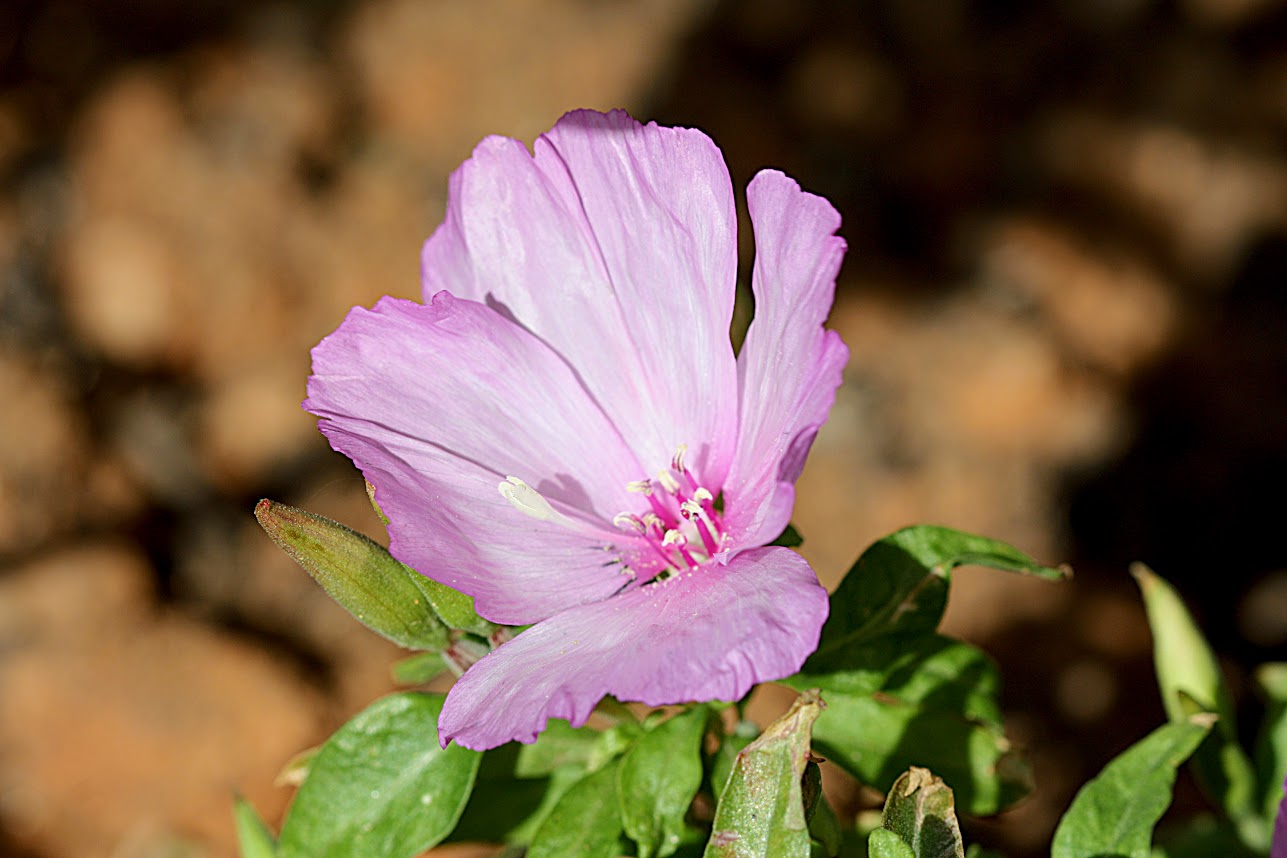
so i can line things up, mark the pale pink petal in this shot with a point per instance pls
(616, 245)
(439, 403)
(789, 366)
(706, 635)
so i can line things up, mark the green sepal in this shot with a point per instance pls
(1115, 813)
(383, 594)
(295, 770)
(375, 505)
(417, 669)
(454, 608)
(1187, 668)
(254, 840)
(761, 809)
(789, 538)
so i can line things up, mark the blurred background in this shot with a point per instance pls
(1064, 297)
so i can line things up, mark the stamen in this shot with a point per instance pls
(706, 529)
(654, 526)
(682, 513)
(629, 521)
(659, 510)
(530, 502)
(677, 464)
(680, 542)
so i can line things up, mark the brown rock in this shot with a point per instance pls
(1205, 197)
(1109, 310)
(124, 730)
(124, 292)
(434, 86)
(43, 450)
(252, 420)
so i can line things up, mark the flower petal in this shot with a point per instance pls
(789, 366)
(616, 244)
(439, 403)
(706, 635)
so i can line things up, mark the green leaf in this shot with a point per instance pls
(921, 811)
(1202, 837)
(560, 745)
(253, 836)
(1187, 669)
(920, 699)
(518, 785)
(811, 789)
(936, 707)
(1271, 745)
(586, 822)
(726, 757)
(824, 827)
(361, 575)
(899, 586)
(883, 843)
(761, 810)
(657, 780)
(1114, 814)
(417, 669)
(381, 786)
(507, 808)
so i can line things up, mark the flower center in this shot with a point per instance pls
(683, 527)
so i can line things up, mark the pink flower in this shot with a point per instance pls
(574, 353)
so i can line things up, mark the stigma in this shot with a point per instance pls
(530, 502)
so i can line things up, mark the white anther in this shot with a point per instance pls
(703, 494)
(692, 508)
(674, 537)
(668, 482)
(651, 518)
(641, 487)
(628, 521)
(678, 461)
(530, 502)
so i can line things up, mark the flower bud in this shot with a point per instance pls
(361, 575)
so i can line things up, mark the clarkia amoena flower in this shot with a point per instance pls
(562, 430)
